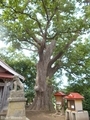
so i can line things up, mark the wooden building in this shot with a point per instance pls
(6, 83)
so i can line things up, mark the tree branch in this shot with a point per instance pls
(34, 38)
(52, 70)
(49, 51)
(48, 22)
(27, 14)
(28, 41)
(60, 54)
(44, 6)
(28, 49)
(48, 19)
(39, 25)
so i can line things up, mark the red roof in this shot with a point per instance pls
(73, 96)
(59, 94)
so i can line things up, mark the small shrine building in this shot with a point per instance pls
(74, 109)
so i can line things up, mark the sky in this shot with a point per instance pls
(2, 44)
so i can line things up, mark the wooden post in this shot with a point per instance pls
(5, 95)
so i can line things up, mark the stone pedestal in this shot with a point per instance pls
(76, 115)
(16, 107)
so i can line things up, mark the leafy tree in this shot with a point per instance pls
(80, 73)
(49, 28)
(77, 64)
(86, 102)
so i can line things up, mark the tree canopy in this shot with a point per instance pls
(54, 31)
(40, 23)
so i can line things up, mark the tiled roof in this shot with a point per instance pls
(74, 96)
(59, 94)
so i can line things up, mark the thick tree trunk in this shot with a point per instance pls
(43, 101)
(43, 97)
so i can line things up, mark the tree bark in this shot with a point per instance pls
(43, 101)
(43, 97)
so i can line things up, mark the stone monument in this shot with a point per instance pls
(17, 101)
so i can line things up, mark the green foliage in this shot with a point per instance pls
(26, 68)
(23, 19)
(77, 63)
(29, 23)
(56, 84)
(86, 102)
(79, 72)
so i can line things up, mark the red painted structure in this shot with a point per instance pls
(74, 109)
(74, 101)
(59, 94)
(73, 96)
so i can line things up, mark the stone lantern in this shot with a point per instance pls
(74, 107)
(59, 102)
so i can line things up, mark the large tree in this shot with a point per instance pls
(49, 28)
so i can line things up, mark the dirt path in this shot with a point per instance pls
(43, 116)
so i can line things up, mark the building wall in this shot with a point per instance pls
(59, 100)
(78, 105)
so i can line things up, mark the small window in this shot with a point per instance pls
(72, 105)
